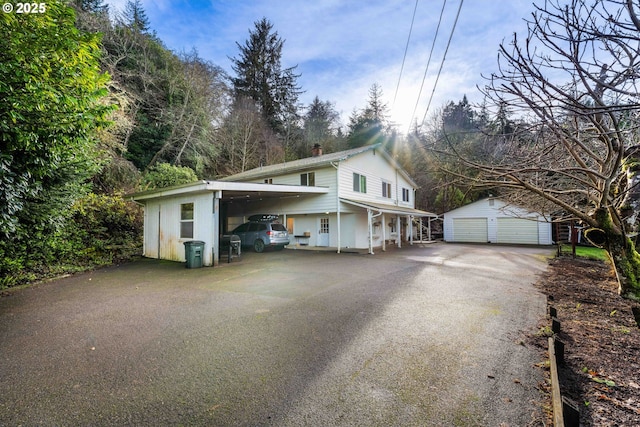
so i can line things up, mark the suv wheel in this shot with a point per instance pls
(258, 246)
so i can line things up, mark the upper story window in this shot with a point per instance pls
(386, 189)
(186, 221)
(308, 179)
(359, 183)
(405, 194)
(268, 180)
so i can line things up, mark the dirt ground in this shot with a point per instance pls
(601, 373)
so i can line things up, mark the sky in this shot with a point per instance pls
(342, 47)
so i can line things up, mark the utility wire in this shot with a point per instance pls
(405, 54)
(435, 37)
(442, 63)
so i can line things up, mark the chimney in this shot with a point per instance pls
(316, 150)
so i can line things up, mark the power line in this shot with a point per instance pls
(435, 37)
(442, 63)
(405, 54)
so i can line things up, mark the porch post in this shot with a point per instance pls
(398, 231)
(370, 225)
(420, 232)
(410, 219)
(384, 225)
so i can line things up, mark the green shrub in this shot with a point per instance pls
(165, 175)
(99, 229)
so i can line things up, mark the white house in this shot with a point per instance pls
(370, 199)
(491, 220)
(358, 198)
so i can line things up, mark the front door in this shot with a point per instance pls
(323, 232)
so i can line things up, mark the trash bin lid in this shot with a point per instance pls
(194, 243)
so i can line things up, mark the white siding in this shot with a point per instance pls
(375, 167)
(535, 229)
(324, 177)
(167, 230)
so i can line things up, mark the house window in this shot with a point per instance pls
(308, 179)
(359, 183)
(268, 181)
(186, 221)
(386, 189)
(405, 194)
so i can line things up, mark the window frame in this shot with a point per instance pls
(406, 195)
(308, 179)
(386, 189)
(187, 225)
(359, 183)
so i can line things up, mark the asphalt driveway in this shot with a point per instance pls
(422, 336)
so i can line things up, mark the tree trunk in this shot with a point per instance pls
(626, 261)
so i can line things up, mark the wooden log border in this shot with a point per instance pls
(565, 412)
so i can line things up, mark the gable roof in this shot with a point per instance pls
(312, 162)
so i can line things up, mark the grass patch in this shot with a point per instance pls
(587, 252)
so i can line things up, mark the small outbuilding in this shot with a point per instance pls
(491, 220)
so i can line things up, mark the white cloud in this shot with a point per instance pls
(342, 48)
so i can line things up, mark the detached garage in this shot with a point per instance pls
(493, 221)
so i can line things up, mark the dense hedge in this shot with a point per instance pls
(99, 230)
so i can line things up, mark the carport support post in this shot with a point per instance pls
(217, 195)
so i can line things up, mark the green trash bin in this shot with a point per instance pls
(193, 251)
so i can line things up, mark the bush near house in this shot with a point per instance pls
(100, 229)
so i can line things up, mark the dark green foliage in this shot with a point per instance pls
(135, 16)
(260, 76)
(99, 230)
(165, 175)
(321, 124)
(369, 126)
(50, 87)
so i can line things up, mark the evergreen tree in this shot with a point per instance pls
(458, 117)
(260, 76)
(136, 17)
(369, 126)
(320, 126)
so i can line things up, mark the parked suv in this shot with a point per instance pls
(262, 231)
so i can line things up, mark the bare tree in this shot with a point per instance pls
(573, 82)
(240, 139)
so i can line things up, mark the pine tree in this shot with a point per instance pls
(135, 16)
(260, 77)
(369, 126)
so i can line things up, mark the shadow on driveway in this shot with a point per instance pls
(409, 337)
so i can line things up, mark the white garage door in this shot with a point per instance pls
(517, 231)
(470, 230)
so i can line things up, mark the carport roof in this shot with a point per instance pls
(396, 210)
(229, 190)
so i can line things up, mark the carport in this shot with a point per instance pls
(195, 212)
